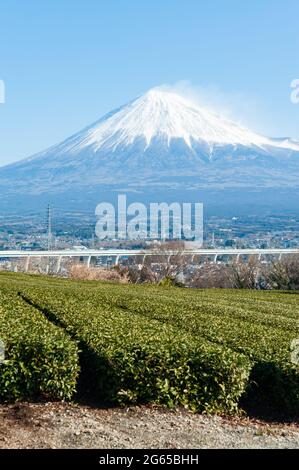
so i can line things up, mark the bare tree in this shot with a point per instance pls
(284, 274)
(165, 263)
(83, 272)
(210, 275)
(170, 262)
(247, 275)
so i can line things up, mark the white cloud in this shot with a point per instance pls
(239, 107)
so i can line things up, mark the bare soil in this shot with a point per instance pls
(62, 425)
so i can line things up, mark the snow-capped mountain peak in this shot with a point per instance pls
(167, 115)
(159, 140)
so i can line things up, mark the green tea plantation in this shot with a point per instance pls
(211, 351)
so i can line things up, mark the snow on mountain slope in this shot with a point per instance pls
(162, 113)
(159, 138)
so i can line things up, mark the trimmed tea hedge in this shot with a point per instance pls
(210, 350)
(40, 359)
(134, 359)
(265, 338)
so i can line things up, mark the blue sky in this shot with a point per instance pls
(67, 62)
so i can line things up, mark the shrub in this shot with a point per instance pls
(265, 338)
(40, 359)
(199, 348)
(135, 359)
(84, 273)
(260, 325)
(284, 274)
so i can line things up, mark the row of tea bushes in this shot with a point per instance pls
(139, 360)
(41, 361)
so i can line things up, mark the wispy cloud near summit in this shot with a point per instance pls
(238, 106)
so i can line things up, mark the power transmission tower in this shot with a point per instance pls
(49, 227)
(213, 239)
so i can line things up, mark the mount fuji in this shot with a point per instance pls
(158, 143)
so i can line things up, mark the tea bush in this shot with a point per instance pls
(209, 350)
(135, 359)
(40, 358)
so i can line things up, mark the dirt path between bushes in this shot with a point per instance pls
(61, 425)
